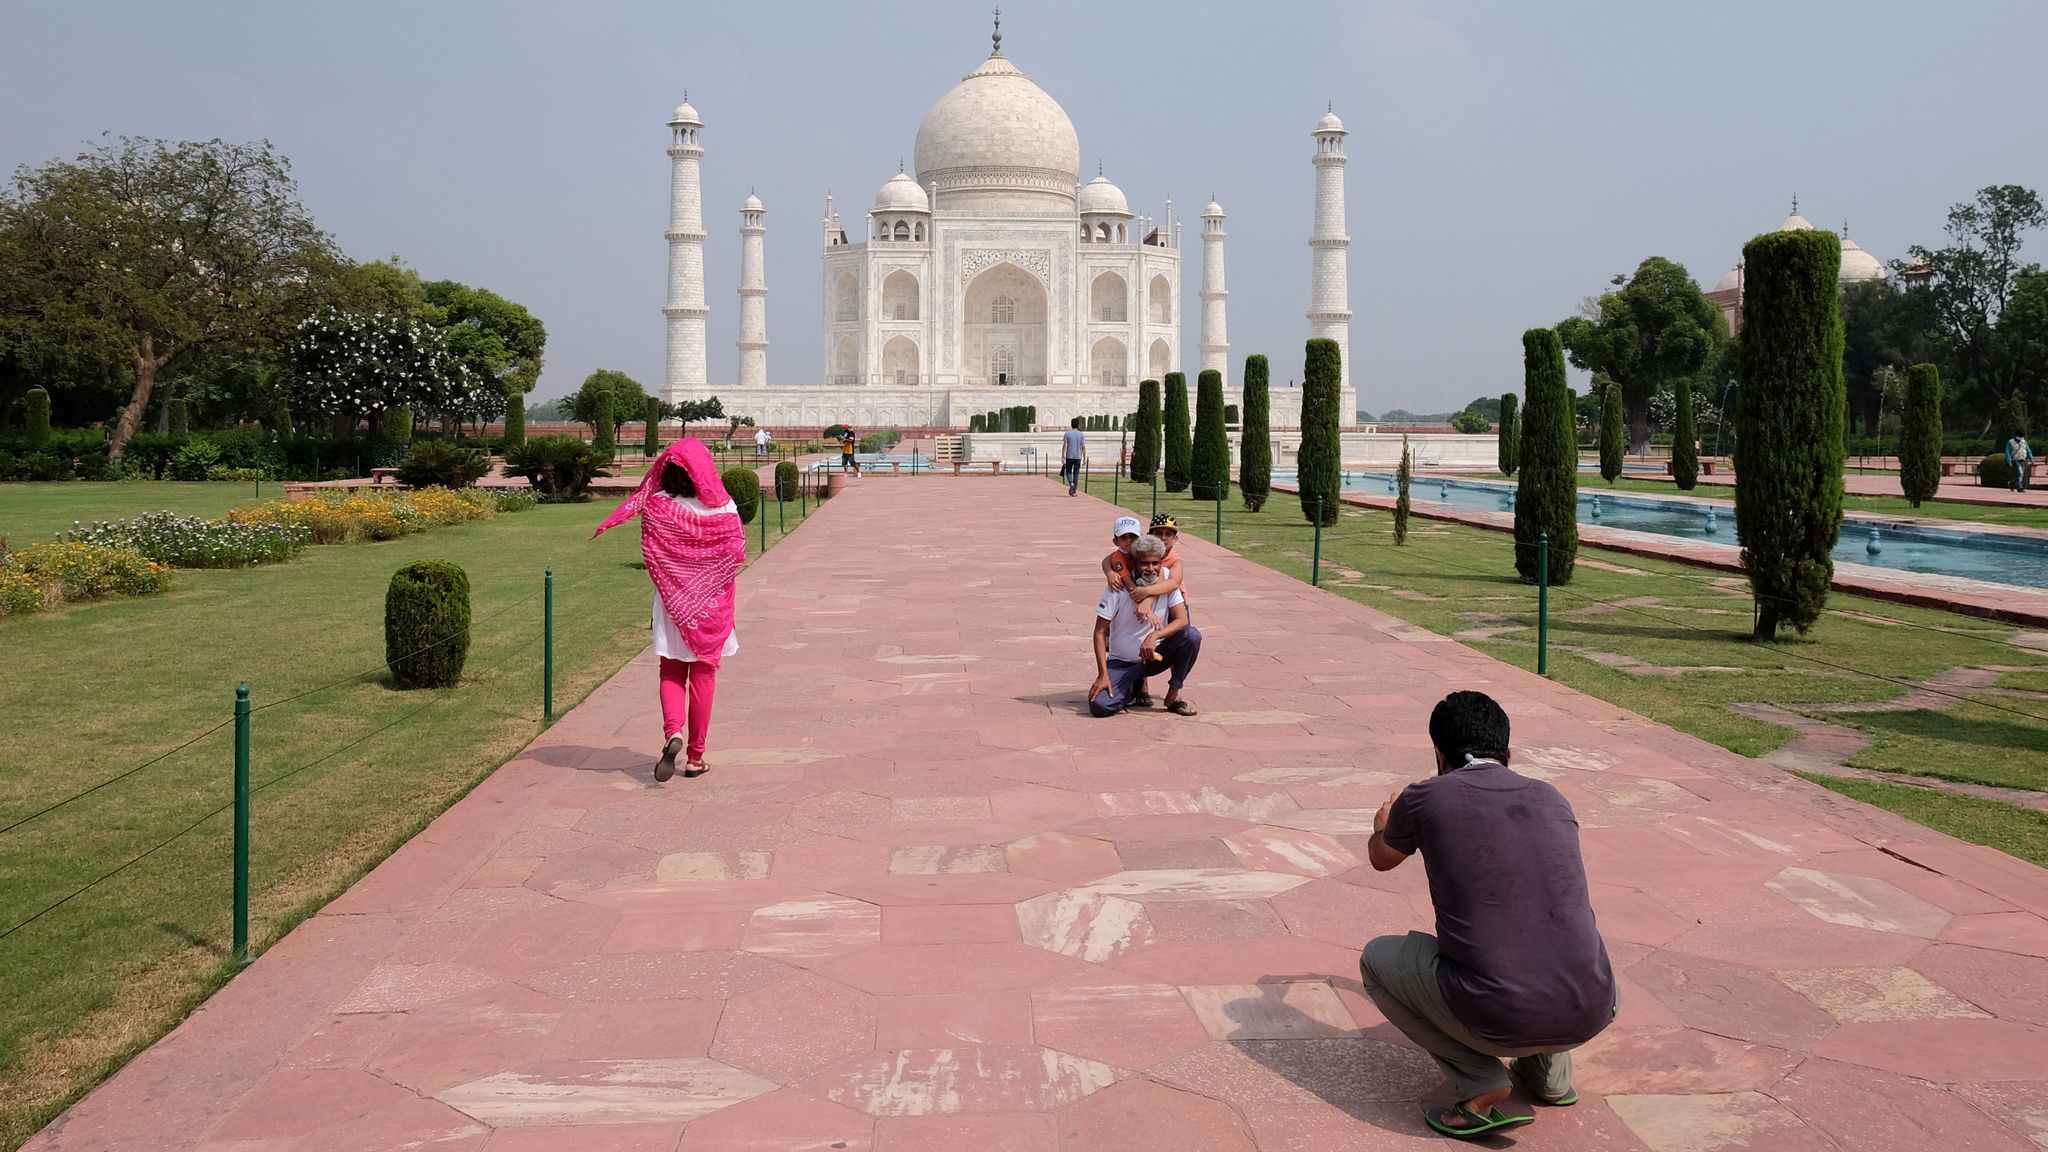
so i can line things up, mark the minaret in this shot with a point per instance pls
(687, 375)
(1215, 332)
(1329, 291)
(753, 341)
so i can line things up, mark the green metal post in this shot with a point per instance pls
(241, 943)
(1543, 604)
(1315, 572)
(1155, 491)
(781, 524)
(547, 649)
(764, 528)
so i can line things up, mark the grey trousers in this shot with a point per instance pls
(1400, 976)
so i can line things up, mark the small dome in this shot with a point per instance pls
(753, 204)
(1731, 281)
(1102, 197)
(1330, 123)
(1214, 209)
(1858, 265)
(902, 194)
(685, 115)
(1795, 223)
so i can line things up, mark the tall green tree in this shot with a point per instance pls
(1402, 476)
(1920, 434)
(1210, 477)
(1320, 461)
(1685, 451)
(1971, 281)
(515, 421)
(1883, 326)
(1655, 328)
(604, 438)
(606, 392)
(1547, 498)
(2022, 339)
(38, 403)
(1788, 486)
(1613, 440)
(1145, 443)
(1510, 432)
(1180, 451)
(163, 249)
(650, 430)
(1255, 452)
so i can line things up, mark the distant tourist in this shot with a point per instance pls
(762, 441)
(1517, 970)
(2019, 457)
(1073, 445)
(847, 443)
(694, 545)
(1131, 648)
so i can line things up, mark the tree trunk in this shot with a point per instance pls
(1638, 425)
(146, 364)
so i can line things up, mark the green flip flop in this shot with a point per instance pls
(1493, 1121)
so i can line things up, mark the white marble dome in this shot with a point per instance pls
(1329, 122)
(751, 204)
(1795, 223)
(901, 194)
(1858, 265)
(685, 115)
(998, 144)
(1102, 197)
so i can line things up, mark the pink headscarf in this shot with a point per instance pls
(693, 558)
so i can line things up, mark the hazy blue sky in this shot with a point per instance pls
(1506, 158)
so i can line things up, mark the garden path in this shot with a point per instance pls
(925, 902)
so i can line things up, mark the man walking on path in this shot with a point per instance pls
(2019, 456)
(1129, 649)
(1074, 443)
(1517, 969)
(762, 440)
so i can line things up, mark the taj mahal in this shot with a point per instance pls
(988, 277)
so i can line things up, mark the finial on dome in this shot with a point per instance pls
(997, 39)
(899, 165)
(1795, 203)
(1845, 227)
(1098, 167)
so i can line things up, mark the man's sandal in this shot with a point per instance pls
(1182, 708)
(1570, 1097)
(1141, 699)
(1474, 1124)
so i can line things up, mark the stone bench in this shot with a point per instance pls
(993, 467)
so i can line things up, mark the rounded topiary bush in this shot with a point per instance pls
(426, 624)
(787, 478)
(1994, 472)
(744, 486)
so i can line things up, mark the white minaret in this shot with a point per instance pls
(1215, 332)
(753, 341)
(687, 374)
(1329, 290)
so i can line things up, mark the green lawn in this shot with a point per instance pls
(32, 512)
(1876, 505)
(344, 775)
(2021, 832)
(1686, 627)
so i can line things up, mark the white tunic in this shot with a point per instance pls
(668, 639)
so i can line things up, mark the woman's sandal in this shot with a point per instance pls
(666, 766)
(1475, 1124)
(695, 768)
(1182, 708)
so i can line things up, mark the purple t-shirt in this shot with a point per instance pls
(1521, 960)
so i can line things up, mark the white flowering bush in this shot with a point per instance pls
(192, 541)
(355, 364)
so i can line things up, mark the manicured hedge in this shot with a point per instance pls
(1255, 453)
(426, 624)
(744, 486)
(1180, 449)
(1547, 498)
(1209, 478)
(1319, 464)
(1920, 434)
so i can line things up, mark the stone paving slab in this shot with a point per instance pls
(925, 902)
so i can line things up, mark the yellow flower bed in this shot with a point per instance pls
(46, 575)
(364, 516)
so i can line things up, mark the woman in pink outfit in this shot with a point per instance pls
(695, 545)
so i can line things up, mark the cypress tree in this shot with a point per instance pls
(1788, 492)
(1255, 453)
(1210, 478)
(1229, 415)
(1920, 434)
(181, 420)
(1180, 448)
(515, 419)
(1613, 432)
(605, 439)
(1145, 445)
(38, 404)
(397, 424)
(1319, 463)
(1510, 433)
(977, 423)
(1401, 501)
(650, 415)
(281, 418)
(1547, 498)
(1685, 451)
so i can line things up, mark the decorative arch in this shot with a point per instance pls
(899, 362)
(1004, 336)
(1162, 360)
(902, 230)
(845, 362)
(899, 296)
(1109, 363)
(1109, 299)
(1162, 301)
(845, 299)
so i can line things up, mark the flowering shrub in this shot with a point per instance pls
(516, 499)
(332, 519)
(192, 541)
(46, 575)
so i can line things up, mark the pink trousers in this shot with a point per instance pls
(687, 689)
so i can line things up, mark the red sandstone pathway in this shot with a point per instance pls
(924, 902)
